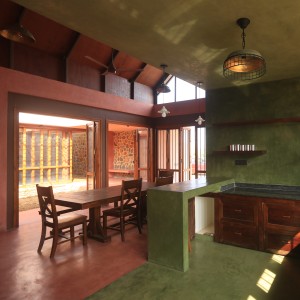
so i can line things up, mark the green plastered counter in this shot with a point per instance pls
(167, 215)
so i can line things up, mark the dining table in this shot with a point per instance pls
(93, 200)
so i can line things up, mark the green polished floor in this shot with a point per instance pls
(216, 272)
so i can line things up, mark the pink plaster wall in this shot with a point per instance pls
(22, 83)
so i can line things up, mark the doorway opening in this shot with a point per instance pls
(128, 148)
(52, 151)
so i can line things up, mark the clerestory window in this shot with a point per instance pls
(180, 91)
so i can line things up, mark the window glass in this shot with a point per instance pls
(184, 91)
(200, 93)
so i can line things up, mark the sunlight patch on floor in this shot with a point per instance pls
(265, 281)
(278, 258)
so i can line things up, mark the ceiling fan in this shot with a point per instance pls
(111, 68)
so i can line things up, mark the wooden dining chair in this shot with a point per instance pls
(165, 173)
(163, 180)
(60, 222)
(128, 210)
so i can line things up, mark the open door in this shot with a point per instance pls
(168, 151)
(174, 152)
(129, 152)
(93, 156)
(185, 154)
(143, 154)
(199, 166)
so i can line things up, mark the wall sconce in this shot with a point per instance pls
(163, 112)
(199, 120)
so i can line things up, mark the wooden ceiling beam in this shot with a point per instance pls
(137, 74)
(72, 46)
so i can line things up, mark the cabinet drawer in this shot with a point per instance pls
(240, 235)
(282, 243)
(278, 243)
(239, 211)
(283, 216)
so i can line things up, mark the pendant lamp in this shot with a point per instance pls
(245, 64)
(163, 88)
(17, 33)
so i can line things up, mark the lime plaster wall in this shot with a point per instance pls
(268, 101)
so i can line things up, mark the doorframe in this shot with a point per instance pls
(180, 149)
(13, 213)
(136, 125)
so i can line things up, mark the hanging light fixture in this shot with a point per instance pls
(163, 88)
(199, 120)
(163, 112)
(17, 33)
(245, 64)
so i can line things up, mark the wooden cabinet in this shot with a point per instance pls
(281, 225)
(267, 224)
(236, 221)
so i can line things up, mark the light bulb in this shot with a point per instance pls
(199, 120)
(163, 112)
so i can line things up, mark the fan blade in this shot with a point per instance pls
(96, 61)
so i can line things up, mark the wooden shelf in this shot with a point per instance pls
(245, 153)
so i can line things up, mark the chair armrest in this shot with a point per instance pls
(64, 211)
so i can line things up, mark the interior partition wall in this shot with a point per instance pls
(36, 105)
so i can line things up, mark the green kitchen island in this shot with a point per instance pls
(167, 215)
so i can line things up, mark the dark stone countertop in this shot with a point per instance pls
(263, 190)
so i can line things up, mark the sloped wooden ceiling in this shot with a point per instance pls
(58, 40)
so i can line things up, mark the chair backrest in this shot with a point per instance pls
(163, 180)
(46, 202)
(131, 192)
(165, 173)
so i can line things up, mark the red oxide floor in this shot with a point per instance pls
(76, 271)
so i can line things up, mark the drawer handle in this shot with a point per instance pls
(286, 242)
(238, 233)
(287, 217)
(238, 210)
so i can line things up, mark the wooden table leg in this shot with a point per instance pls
(95, 230)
